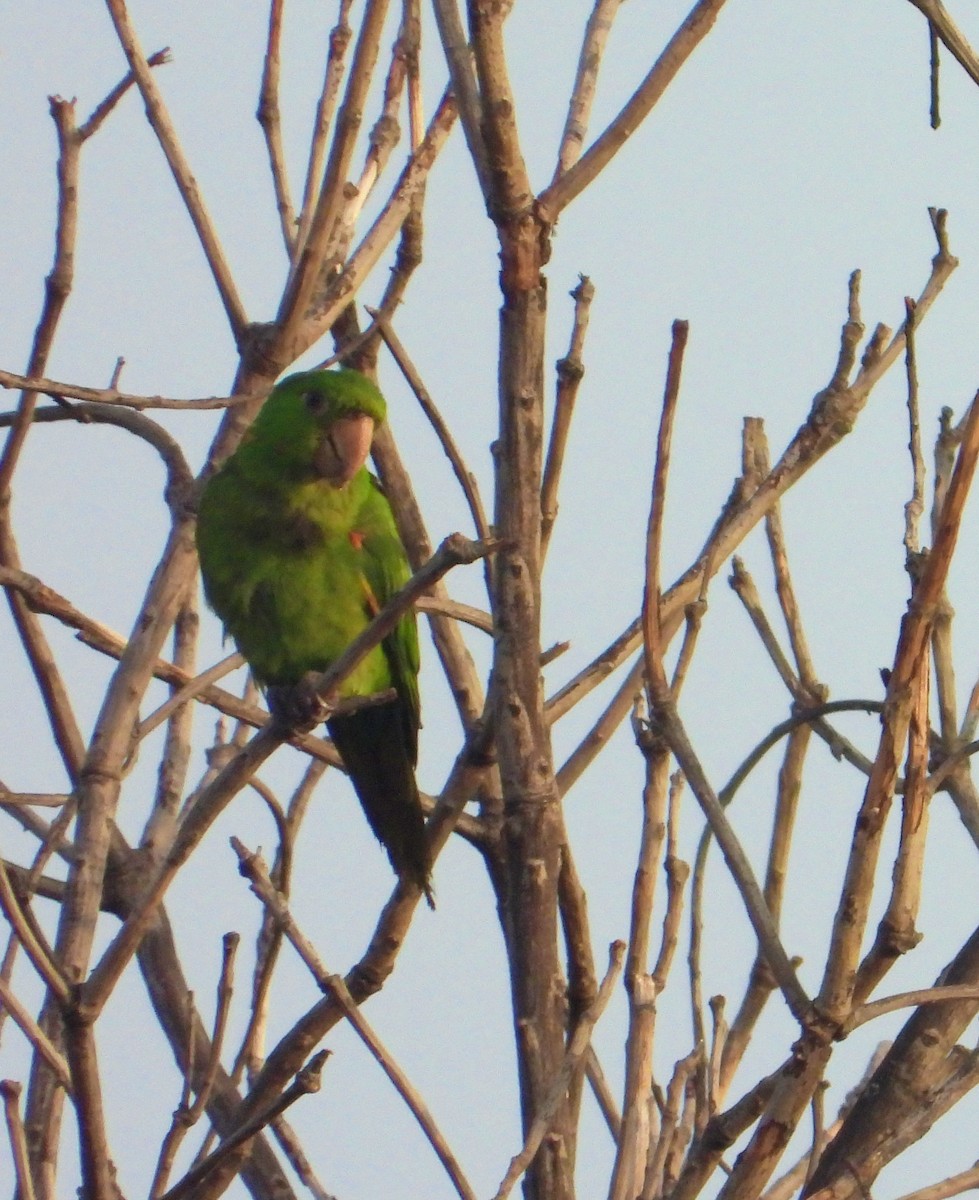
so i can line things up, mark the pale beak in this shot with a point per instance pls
(343, 449)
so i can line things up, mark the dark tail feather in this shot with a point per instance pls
(374, 745)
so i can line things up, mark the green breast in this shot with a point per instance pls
(286, 577)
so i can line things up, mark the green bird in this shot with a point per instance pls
(298, 551)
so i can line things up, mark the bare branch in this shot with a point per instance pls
(32, 939)
(951, 36)
(916, 505)
(570, 372)
(306, 1083)
(35, 1035)
(698, 23)
(159, 119)
(597, 29)
(577, 1046)
(467, 481)
(339, 41)
(837, 993)
(312, 256)
(459, 59)
(253, 868)
(111, 395)
(10, 1092)
(268, 118)
(454, 550)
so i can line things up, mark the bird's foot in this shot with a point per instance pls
(296, 705)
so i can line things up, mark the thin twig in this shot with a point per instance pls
(191, 689)
(672, 728)
(35, 1035)
(570, 372)
(467, 481)
(268, 118)
(597, 29)
(454, 551)
(642, 988)
(312, 256)
(654, 532)
(698, 23)
(459, 59)
(836, 994)
(10, 1092)
(577, 1045)
(33, 941)
(951, 36)
(112, 395)
(306, 1083)
(934, 72)
(159, 119)
(913, 999)
(954, 1185)
(254, 869)
(339, 41)
(916, 505)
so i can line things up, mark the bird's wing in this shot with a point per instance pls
(386, 570)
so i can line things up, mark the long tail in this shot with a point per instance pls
(374, 748)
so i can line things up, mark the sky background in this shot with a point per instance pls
(793, 148)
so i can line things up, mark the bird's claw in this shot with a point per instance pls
(297, 705)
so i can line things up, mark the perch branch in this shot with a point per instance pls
(455, 550)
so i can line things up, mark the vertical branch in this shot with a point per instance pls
(570, 372)
(57, 285)
(159, 119)
(303, 281)
(761, 983)
(268, 118)
(597, 30)
(578, 1045)
(654, 529)
(508, 181)
(692, 31)
(459, 60)
(10, 1093)
(916, 505)
(339, 41)
(633, 1140)
(416, 111)
(533, 829)
(836, 994)
(386, 131)
(629, 1171)
(934, 65)
(176, 752)
(896, 933)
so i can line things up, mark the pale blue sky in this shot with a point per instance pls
(793, 148)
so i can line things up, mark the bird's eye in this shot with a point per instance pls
(314, 401)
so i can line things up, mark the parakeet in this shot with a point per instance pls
(298, 551)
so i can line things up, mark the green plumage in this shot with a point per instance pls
(298, 551)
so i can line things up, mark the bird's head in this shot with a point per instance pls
(320, 424)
